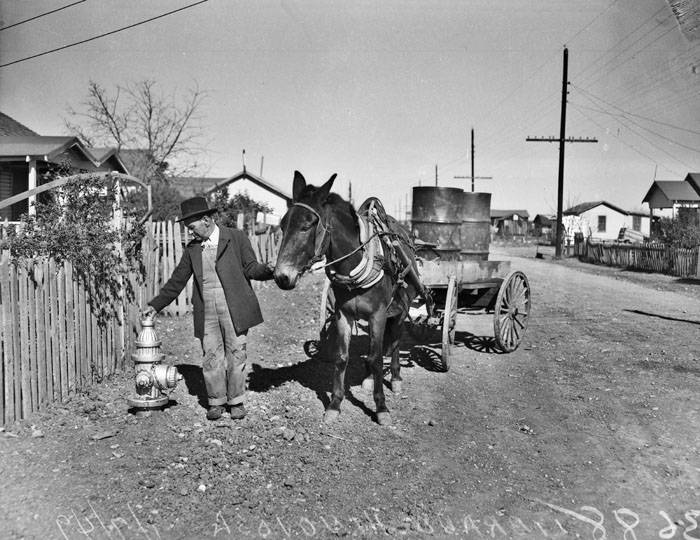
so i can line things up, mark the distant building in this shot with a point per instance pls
(601, 220)
(510, 223)
(544, 225)
(258, 188)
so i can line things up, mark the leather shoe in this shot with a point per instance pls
(238, 411)
(215, 412)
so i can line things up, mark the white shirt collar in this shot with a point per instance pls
(213, 239)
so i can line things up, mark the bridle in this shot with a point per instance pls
(323, 240)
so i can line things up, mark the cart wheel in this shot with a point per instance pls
(511, 311)
(327, 311)
(449, 320)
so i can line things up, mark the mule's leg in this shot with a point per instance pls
(391, 339)
(342, 343)
(377, 324)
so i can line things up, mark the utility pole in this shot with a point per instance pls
(472, 176)
(436, 175)
(562, 140)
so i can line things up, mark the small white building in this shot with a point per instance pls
(602, 221)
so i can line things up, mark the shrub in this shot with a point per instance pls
(680, 232)
(76, 224)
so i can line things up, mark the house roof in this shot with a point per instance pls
(11, 127)
(675, 190)
(258, 180)
(190, 186)
(101, 155)
(586, 206)
(37, 146)
(542, 219)
(499, 214)
(694, 180)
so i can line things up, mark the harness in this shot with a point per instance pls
(377, 254)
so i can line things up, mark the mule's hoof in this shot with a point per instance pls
(368, 384)
(331, 415)
(384, 418)
(396, 387)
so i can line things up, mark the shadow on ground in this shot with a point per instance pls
(194, 382)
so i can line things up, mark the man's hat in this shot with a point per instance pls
(193, 209)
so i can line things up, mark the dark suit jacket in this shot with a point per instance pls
(236, 265)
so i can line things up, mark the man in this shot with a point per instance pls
(225, 306)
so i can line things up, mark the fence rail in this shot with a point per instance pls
(648, 257)
(51, 344)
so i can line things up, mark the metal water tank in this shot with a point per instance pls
(436, 216)
(475, 229)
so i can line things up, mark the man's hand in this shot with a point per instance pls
(148, 312)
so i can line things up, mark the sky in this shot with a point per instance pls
(384, 93)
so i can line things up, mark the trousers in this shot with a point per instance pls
(224, 364)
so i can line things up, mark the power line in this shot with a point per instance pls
(103, 35)
(641, 136)
(636, 115)
(41, 15)
(580, 73)
(628, 145)
(635, 53)
(556, 55)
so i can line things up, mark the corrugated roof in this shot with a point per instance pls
(11, 127)
(674, 190)
(586, 206)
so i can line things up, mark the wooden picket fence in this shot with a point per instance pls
(51, 345)
(647, 257)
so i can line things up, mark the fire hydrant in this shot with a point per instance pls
(151, 377)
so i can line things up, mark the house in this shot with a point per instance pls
(26, 156)
(257, 187)
(667, 197)
(510, 223)
(601, 220)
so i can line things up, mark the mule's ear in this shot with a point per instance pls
(322, 193)
(298, 185)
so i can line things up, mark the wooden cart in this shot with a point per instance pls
(459, 287)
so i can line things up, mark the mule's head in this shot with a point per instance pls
(303, 229)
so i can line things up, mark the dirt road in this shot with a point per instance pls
(590, 429)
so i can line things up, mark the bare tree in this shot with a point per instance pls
(158, 135)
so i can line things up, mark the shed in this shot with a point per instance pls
(509, 223)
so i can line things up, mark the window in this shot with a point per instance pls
(601, 223)
(636, 223)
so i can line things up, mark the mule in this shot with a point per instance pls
(320, 223)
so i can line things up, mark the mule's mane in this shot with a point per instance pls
(335, 200)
